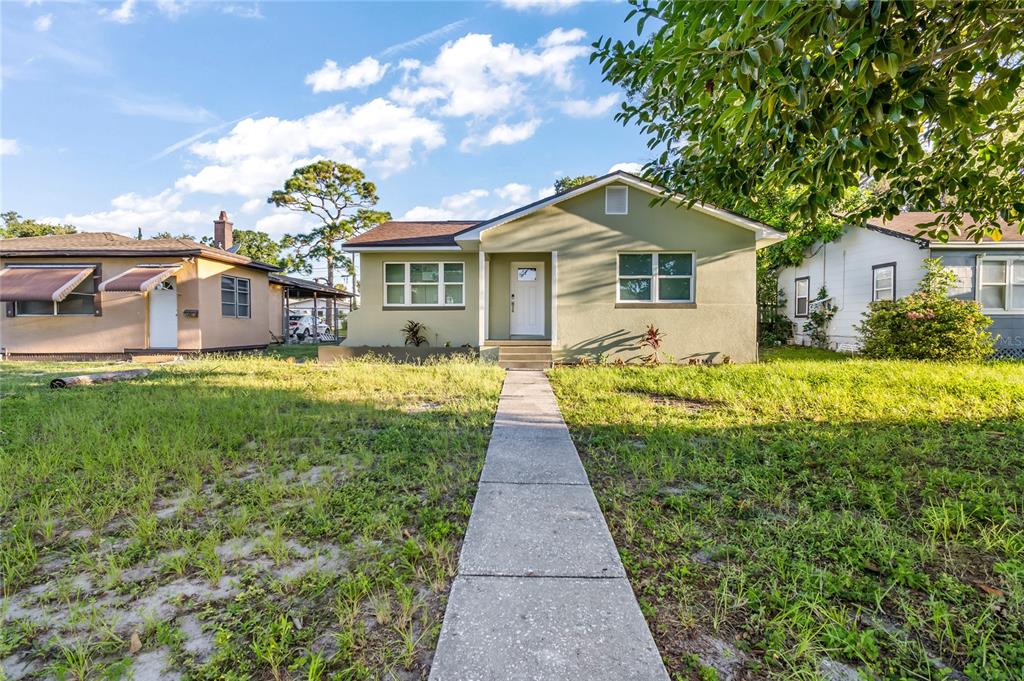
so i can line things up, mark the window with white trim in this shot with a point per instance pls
(883, 282)
(80, 302)
(234, 297)
(802, 296)
(428, 284)
(616, 200)
(1001, 284)
(655, 278)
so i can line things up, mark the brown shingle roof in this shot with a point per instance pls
(908, 223)
(413, 233)
(101, 244)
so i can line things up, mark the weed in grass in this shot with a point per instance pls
(837, 515)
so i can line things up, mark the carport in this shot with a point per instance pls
(323, 298)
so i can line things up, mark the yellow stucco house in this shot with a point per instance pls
(581, 273)
(99, 294)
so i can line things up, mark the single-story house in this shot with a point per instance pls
(102, 294)
(883, 260)
(580, 273)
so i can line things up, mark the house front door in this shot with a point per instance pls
(527, 299)
(163, 315)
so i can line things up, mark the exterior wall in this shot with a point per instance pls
(1008, 326)
(844, 268)
(275, 310)
(372, 324)
(123, 323)
(499, 291)
(588, 321)
(230, 332)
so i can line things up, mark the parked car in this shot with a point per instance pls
(301, 326)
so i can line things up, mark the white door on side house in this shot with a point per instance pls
(527, 299)
(163, 315)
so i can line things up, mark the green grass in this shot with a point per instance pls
(815, 509)
(249, 517)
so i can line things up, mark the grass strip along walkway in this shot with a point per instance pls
(541, 592)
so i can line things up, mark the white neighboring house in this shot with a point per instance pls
(885, 261)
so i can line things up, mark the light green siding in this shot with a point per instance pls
(723, 320)
(372, 324)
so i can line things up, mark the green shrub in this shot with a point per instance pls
(927, 324)
(818, 319)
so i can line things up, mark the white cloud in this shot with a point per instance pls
(331, 78)
(543, 5)
(243, 11)
(422, 39)
(259, 153)
(131, 211)
(475, 77)
(171, 148)
(479, 204)
(43, 23)
(9, 147)
(634, 168)
(124, 14)
(163, 109)
(252, 206)
(279, 224)
(585, 108)
(172, 9)
(561, 36)
(503, 133)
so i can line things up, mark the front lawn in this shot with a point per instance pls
(815, 514)
(235, 518)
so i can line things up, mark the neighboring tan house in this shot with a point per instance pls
(100, 293)
(581, 273)
(884, 261)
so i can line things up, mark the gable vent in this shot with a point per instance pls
(616, 201)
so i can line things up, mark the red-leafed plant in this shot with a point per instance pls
(652, 340)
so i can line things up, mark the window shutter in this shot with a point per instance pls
(616, 201)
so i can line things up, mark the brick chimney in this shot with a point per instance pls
(222, 231)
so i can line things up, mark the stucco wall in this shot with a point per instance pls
(372, 324)
(721, 322)
(230, 332)
(275, 310)
(123, 323)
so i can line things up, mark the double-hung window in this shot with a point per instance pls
(883, 282)
(1001, 285)
(655, 278)
(431, 284)
(802, 296)
(234, 297)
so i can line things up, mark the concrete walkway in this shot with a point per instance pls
(541, 593)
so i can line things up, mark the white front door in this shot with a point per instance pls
(163, 315)
(527, 299)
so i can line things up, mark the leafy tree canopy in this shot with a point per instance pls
(924, 98)
(258, 246)
(564, 184)
(341, 197)
(16, 227)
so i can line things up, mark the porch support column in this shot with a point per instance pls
(554, 298)
(482, 295)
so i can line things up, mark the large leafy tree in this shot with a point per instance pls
(922, 98)
(564, 184)
(16, 227)
(258, 246)
(343, 200)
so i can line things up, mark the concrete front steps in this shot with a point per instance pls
(522, 354)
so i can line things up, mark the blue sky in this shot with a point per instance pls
(160, 114)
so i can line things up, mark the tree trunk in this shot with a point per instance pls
(330, 283)
(89, 379)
